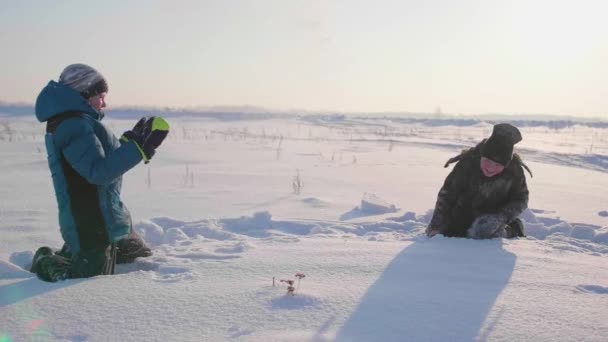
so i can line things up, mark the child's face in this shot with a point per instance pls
(490, 168)
(98, 102)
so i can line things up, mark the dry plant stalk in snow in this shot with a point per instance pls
(296, 183)
(291, 290)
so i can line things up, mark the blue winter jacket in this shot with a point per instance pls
(87, 163)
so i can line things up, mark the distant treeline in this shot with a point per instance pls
(464, 122)
(425, 119)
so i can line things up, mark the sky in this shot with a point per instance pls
(458, 57)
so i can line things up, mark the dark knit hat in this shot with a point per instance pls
(499, 147)
(84, 79)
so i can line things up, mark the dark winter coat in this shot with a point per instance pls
(467, 194)
(87, 163)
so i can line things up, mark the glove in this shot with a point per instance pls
(148, 134)
(137, 132)
(487, 227)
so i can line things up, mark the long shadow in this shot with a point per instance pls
(434, 290)
(28, 288)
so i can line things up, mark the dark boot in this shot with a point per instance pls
(49, 266)
(64, 252)
(41, 252)
(93, 262)
(515, 229)
(130, 248)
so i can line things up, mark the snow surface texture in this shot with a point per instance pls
(216, 206)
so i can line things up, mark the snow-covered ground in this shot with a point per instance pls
(230, 207)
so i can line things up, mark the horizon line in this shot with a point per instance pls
(252, 109)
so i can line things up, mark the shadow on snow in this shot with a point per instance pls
(434, 290)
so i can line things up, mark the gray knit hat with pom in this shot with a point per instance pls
(84, 79)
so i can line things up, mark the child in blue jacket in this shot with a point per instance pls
(87, 162)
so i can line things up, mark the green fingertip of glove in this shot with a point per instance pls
(160, 124)
(147, 135)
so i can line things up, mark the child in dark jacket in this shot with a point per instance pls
(485, 192)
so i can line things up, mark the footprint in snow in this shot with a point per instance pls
(236, 331)
(200, 256)
(171, 273)
(597, 289)
(299, 301)
(236, 248)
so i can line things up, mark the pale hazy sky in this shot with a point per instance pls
(463, 56)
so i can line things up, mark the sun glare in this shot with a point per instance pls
(559, 31)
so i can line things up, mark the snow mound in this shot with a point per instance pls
(601, 238)
(374, 205)
(239, 247)
(209, 229)
(528, 216)
(297, 227)
(426, 217)
(536, 230)
(10, 270)
(409, 226)
(255, 225)
(583, 232)
(545, 226)
(179, 245)
(370, 205)
(167, 222)
(150, 232)
(408, 216)
(174, 235)
(561, 228)
(22, 259)
(314, 202)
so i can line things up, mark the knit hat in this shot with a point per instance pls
(84, 79)
(499, 147)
